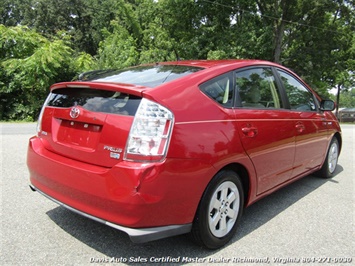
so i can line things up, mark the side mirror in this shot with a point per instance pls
(327, 105)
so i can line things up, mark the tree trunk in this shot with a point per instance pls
(338, 100)
(279, 33)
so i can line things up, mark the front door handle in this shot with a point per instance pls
(300, 127)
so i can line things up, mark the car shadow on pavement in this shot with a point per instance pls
(116, 245)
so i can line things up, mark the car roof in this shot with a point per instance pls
(211, 68)
(214, 63)
(202, 64)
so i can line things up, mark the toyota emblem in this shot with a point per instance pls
(74, 112)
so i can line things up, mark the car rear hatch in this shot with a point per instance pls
(88, 121)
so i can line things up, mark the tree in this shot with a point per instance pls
(118, 49)
(12, 12)
(30, 63)
(347, 98)
(167, 30)
(314, 38)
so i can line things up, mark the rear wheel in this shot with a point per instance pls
(219, 211)
(331, 161)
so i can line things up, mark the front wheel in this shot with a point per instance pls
(219, 211)
(331, 161)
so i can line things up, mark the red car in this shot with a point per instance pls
(177, 147)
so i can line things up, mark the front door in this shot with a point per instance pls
(310, 124)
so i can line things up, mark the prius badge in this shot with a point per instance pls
(74, 112)
(115, 153)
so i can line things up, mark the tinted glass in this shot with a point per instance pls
(149, 76)
(220, 90)
(95, 100)
(257, 89)
(299, 97)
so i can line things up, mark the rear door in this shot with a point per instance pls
(88, 124)
(265, 128)
(310, 124)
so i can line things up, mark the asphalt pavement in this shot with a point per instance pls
(308, 222)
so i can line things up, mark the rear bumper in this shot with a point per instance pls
(145, 200)
(140, 235)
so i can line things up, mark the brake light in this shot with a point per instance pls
(150, 133)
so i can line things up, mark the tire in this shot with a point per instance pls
(219, 211)
(331, 160)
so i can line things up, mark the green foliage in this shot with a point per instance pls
(157, 45)
(84, 62)
(30, 63)
(46, 41)
(215, 55)
(118, 49)
(347, 99)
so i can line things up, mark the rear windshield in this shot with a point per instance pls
(148, 76)
(95, 100)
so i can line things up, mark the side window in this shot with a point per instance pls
(299, 96)
(257, 88)
(219, 89)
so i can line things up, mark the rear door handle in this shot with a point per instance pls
(250, 131)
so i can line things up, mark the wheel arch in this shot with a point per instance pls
(244, 178)
(340, 141)
(201, 231)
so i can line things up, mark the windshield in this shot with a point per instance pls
(148, 76)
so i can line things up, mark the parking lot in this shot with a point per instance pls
(309, 222)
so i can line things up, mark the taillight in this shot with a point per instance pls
(150, 132)
(39, 122)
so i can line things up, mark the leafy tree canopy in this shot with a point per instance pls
(46, 41)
